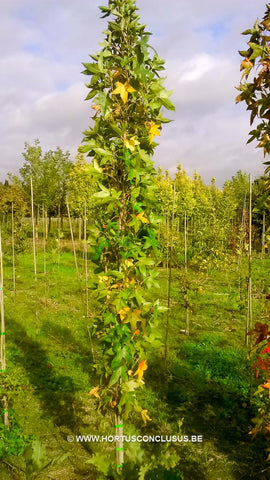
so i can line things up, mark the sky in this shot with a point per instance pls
(42, 91)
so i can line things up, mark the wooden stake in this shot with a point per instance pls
(33, 228)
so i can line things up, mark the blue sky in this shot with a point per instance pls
(43, 45)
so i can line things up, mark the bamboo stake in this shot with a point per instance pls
(59, 237)
(2, 342)
(80, 228)
(3, 353)
(44, 219)
(187, 322)
(13, 248)
(167, 249)
(33, 228)
(86, 280)
(119, 443)
(249, 307)
(169, 281)
(263, 237)
(72, 238)
(242, 229)
(185, 235)
(86, 262)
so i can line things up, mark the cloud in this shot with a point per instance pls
(42, 90)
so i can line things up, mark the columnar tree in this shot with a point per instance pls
(128, 95)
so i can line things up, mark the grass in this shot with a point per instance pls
(205, 392)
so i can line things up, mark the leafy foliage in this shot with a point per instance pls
(128, 96)
(256, 93)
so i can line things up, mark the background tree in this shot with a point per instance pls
(49, 173)
(80, 187)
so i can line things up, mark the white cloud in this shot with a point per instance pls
(42, 90)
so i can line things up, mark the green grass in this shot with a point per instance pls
(206, 390)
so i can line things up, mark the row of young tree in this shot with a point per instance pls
(209, 220)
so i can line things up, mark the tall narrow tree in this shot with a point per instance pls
(128, 95)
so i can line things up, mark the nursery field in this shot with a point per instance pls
(134, 306)
(205, 390)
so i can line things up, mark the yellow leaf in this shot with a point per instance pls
(141, 217)
(96, 107)
(247, 66)
(94, 392)
(145, 416)
(123, 89)
(141, 368)
(103, 278)
(132, 317)
(129, 262)
(123, 313)
(238, 98)
(131, 143)
(116, 285)
(153, 130)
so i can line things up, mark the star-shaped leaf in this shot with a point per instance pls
(267, 385)
(94, 392)
(141, 217)
(123, 89)
(153, 130)
(131, 143)
(141, 368)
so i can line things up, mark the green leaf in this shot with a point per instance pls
(167, 104)
(103, 152)
(117, 374)
(91, 68)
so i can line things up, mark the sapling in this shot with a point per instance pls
(127, 94)
(33, 229)
(3, 333)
